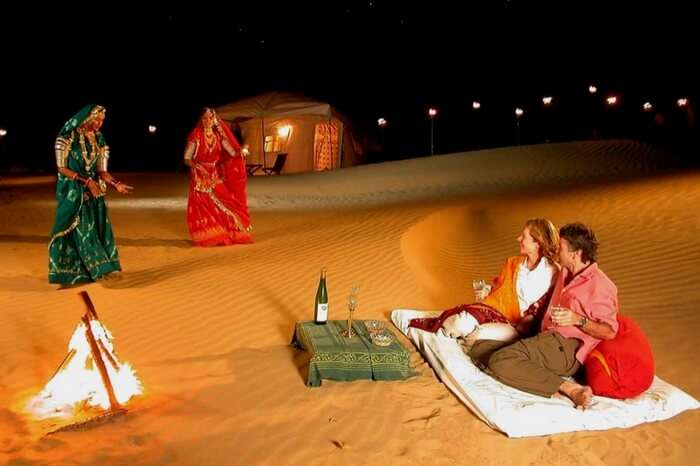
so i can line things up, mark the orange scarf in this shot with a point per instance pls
(503, 296)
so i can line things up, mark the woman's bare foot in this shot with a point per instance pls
(581, 395)
(68, 286)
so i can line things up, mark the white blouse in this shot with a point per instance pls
(532, 284)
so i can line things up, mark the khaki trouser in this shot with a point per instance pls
(533, 365)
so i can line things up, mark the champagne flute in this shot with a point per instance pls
(352, 306)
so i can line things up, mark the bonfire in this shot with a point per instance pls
(91, 383)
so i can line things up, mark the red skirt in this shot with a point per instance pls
(215, 218)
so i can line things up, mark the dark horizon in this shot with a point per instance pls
(369, 59)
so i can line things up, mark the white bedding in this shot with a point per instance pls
(520, 414)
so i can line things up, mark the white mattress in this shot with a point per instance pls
(520, 414)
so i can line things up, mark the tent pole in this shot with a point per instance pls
(262, 135)
(341, 141)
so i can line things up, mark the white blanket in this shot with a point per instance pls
(520, 414)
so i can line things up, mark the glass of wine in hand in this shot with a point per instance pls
(480, 289)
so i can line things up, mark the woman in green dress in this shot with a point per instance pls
(82, 247)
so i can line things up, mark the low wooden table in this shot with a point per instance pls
(334, 357)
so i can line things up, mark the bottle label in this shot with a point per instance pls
(322, 312)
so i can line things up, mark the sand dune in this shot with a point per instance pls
(208, 329)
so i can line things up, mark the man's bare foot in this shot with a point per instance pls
(581, 395)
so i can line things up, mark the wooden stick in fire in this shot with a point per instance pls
(64, 363)
(88, 303)
(91, 310)
(97, 349)
(97, 356)
(91, 313)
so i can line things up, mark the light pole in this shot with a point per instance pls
(519, 112)
(432, 113)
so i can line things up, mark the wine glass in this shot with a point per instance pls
(478, 286)
(557, 312)
(352, 306)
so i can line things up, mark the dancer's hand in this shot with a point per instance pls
(123, 188)
(94, 188)
(219, 132)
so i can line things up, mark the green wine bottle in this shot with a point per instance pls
(321, 306)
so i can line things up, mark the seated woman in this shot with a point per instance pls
(519, 295)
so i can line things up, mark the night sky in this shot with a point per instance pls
(371, 59)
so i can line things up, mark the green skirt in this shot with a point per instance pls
(86, 250)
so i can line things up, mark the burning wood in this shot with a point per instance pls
(84, 384)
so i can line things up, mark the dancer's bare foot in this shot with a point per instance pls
(581, 395)
(68, 286)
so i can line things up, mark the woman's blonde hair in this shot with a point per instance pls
(547, 236)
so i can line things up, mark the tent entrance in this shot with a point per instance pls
(327, 145)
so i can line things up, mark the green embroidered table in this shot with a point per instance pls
(334, 357)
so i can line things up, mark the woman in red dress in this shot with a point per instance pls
(217, 208)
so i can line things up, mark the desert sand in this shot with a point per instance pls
(208, 330)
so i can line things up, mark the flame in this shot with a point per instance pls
(78, 386)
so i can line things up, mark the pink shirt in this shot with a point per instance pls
(592, 294)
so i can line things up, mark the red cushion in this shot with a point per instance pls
(624, 366)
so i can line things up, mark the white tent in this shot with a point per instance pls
(312, 134)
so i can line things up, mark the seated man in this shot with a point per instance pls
(582, 312)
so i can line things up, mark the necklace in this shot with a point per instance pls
(89, 159)
(209, 139)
